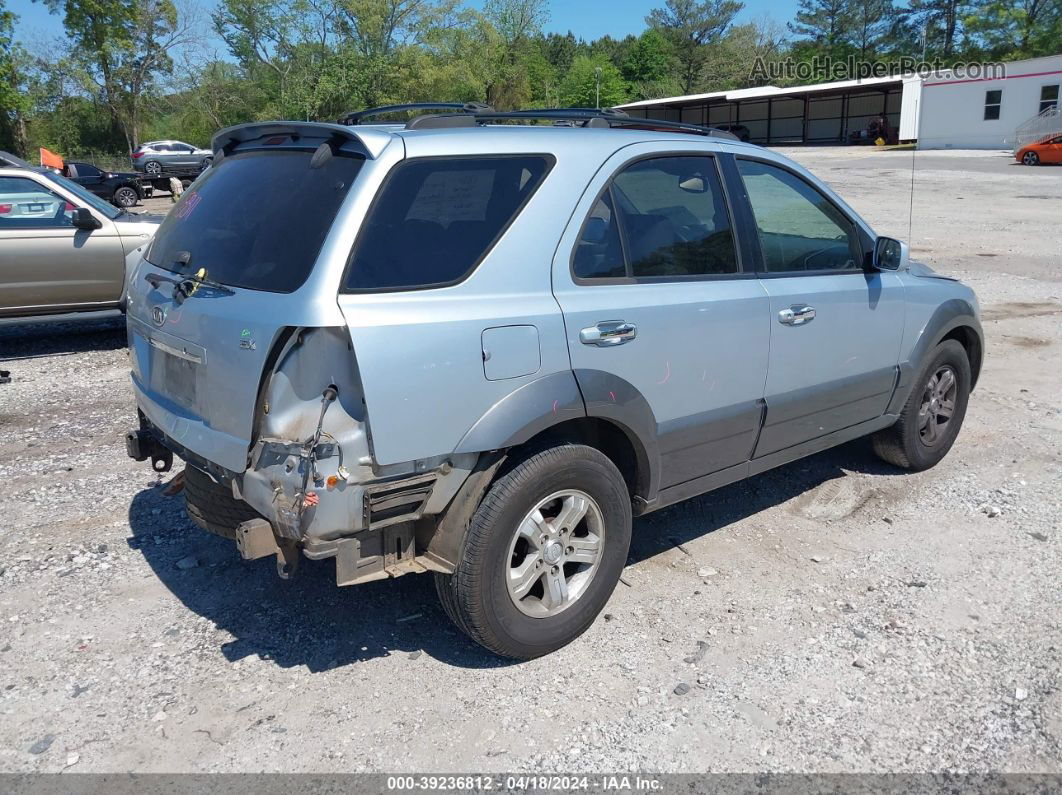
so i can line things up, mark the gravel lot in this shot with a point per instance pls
(832, 615)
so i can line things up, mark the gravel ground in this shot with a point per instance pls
(831, 615)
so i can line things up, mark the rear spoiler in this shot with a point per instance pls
(366, 141)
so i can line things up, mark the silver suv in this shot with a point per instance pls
(477, 346)
(155, 157)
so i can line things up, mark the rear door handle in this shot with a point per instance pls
(796, 315)
(608, 333)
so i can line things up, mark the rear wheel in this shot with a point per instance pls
(213, 507)
(543, 553)
(933, 414)
(126, 197)
(153, 167)
(1031, 159)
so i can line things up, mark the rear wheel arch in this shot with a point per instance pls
(442, 537)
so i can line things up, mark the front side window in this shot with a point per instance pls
(799, 229)
(659, 218)
(993, 101)
(435, 219)
(1048, 97)
(26, 203)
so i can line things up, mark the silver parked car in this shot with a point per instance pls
(477, 347)
(155, 157)
(62, 249)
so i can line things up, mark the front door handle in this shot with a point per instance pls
(608, 333)
(796, 315)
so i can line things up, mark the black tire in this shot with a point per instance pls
(476, 595)
(1031, 159)
(903, 444)
(126, 196)
(203, 166)
(213, 507)
(153, 167)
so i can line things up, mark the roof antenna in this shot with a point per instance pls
(910, 209)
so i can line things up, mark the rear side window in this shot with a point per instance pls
(663, 217)
(256, 220)
(435, 219)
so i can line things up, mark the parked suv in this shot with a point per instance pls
(477, 347)
(155, 157)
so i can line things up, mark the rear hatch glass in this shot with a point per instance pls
(256, 220)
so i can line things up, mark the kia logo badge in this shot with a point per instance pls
(158, 314)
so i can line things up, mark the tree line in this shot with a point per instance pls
(136, 70)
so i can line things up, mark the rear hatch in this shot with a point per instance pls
(228, 273)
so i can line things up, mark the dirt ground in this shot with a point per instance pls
(832, 615)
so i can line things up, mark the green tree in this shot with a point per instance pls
(122, 48)
(1011, 29)
(939, 21)
(826, 23)
(13, 101)
(690, 26)
(649, 66)
(871, 21)
(591, 83)
(517, 24)
(560, 50)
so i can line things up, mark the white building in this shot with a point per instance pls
(941, 111)
(950, 112)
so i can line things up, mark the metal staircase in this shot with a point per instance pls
(1041, 127)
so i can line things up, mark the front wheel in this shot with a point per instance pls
(933, 414)
(205, 164)
(1031, 159)
(543, 553)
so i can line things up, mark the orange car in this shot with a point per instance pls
(1049, 151)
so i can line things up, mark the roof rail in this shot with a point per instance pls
(357, 117)
(589, 117)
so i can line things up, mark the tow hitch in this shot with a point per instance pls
(142, 445)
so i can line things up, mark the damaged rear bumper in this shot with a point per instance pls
(370, 528)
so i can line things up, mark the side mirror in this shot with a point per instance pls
(83, 219)
(891, 254)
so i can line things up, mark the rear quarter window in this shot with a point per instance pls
(256, 220)
(435, 219)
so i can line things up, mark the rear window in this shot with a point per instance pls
(256, 220)
(436, 218)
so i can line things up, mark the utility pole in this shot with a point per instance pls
(597, 78)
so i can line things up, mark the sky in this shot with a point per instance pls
(587, 19)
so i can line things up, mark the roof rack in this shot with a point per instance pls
(583, 117)
(358, 116)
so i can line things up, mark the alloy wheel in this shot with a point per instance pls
(1030, 159)
(555, 553)
(938, 405)
(152, 167)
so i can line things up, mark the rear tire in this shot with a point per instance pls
(153, 167)
(922, 436)
(212, 507)
(581, 554)
(126, 197)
